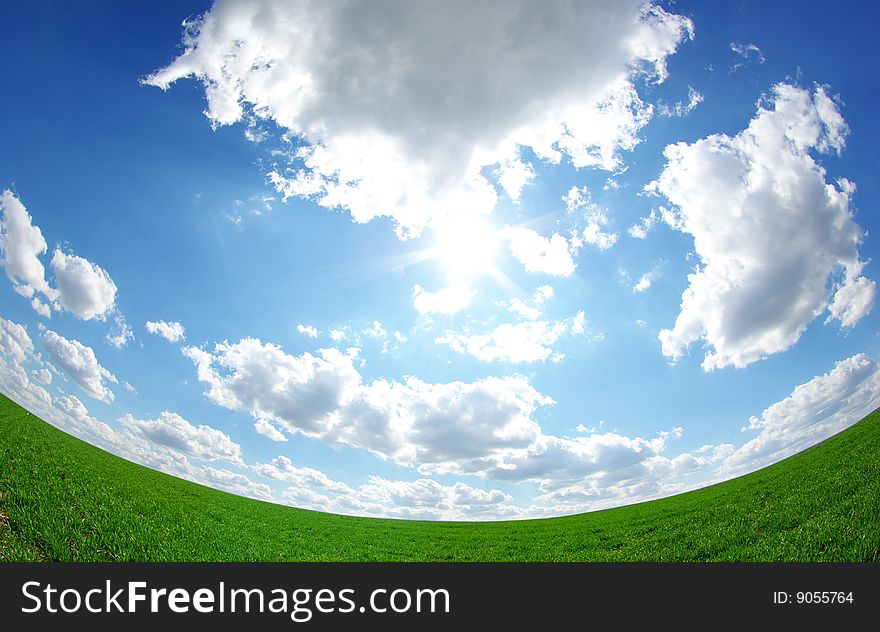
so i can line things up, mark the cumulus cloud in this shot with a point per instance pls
(455, 426)
(449, 300)
(430, 500)
(199, 442)
(15, 384)
(396, 109)
(485, 428)
(307, 330)
(376, 330)
(171, 331)
(549, 255)
(605, 459)
(752, 295)
(813, 412)
(15, 341)
(21, 244)
(232, 482)
(294, 391)
(83, 288)
(530, 341)
(647, 279)
(421, 499)
(71, 415)
(337, 335)
(79, 362)
(530, 309)
(43, 376)
(265, 428)
(282, 468)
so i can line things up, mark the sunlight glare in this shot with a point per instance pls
(466, 246)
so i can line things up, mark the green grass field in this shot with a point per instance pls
(62, 499)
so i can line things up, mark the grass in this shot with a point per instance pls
(64, 500)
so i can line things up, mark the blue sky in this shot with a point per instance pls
(454, 262)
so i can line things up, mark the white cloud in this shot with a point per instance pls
(513, 175)
(543, 293)
(84, 289)
(682, 109)
(813, 412)
(199, 442)
(485, 428)
(455, 426)
(645, 225)
(265, 428)
(79, 362)
(852, 300)
(307, 330)
(293, 391)
(71, 415)
(376, 330)
(576, 198)
(14, 383)
(15, 341)
(402, 126)
(738, 196)
(71, 405)
(21, 244)
(449, 300)
(603, 460)
(521, 308)
(643, 283)
(282, 468)
(43, 376)
(424, 499)
(647, 279)
(531, 309)
(427, 499)
(233, 482)
(172, 331)
(337, 335)
(549, 255)
(593, 233)
(530, 341)
(40, 307)
(595, 217)
(122, 332)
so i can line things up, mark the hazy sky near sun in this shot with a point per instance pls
(458, 260)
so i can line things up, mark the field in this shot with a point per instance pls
(63, 500)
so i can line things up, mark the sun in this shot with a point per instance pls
(466, 246)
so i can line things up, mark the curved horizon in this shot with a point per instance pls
(470, 261)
